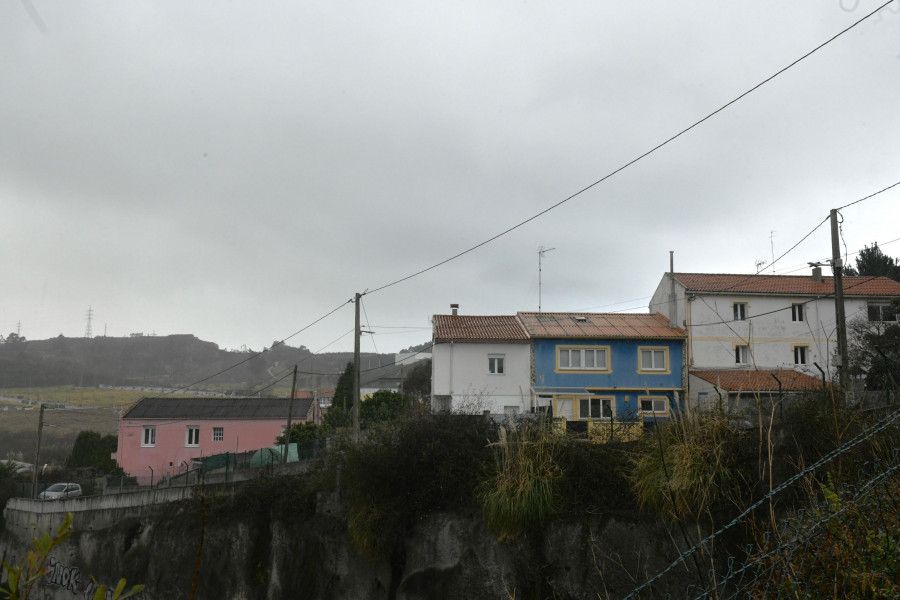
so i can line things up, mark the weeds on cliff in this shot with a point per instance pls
(520, 493)
(406, 469)
(688, 466)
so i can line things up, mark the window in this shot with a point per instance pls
(882, 312)
(796, 312)
(582, 359)
(741, 355)
(495, 364)
(654, 405)
(654, 359)
(149, 438)
(192, 436)
(740, 311)
(218, 434)
(800, 354)
(595, 408)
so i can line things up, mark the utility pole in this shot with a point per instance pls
(838, 267)
(287, 433)
(356, 373)
(37, 454)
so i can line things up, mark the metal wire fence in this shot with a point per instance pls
(845, 543)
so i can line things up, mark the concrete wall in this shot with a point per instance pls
(460, 370)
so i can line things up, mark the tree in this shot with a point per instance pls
(872, 262)
(92, 450)
(874, 352)
(301, 432)
(343, 391)
(417, 382)
(383, 405)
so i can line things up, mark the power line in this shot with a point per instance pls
(634, 160)
(254, 355)
(876, 193)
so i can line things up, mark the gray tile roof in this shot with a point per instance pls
(193, 407)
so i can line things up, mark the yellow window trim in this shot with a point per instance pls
(608, 368)
(650, 412)
(666, 371)
(612, 406)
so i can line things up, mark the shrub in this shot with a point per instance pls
(522, 491)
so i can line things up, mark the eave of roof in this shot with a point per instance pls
(600, 326)
(475, 328)
(759, 380)
(194, 407)
(785, 285)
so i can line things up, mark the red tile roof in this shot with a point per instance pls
(759, 380)
(600, 325)
(473, 328)
(793, 285)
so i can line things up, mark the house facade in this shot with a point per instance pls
(766, 322)
(605, 366)
(158, 437)
(480, 364)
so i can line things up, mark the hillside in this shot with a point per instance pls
(173, 360)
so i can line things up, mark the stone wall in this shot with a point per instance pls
(246, 555)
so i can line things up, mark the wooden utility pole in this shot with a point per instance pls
(838, 267)
(287, 434)
(37, 454)
(356, 336)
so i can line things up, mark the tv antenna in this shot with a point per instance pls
(541, 252)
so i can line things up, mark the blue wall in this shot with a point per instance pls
(624, 382)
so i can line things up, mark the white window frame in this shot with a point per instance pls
(218, 434)
(740, 310)
(148, 436)
(582, 353)
(607, 406)
(653, 351)
(191, 436)
(880, 306)
(797, 312)
(496, 364)
(741, 354)
(801, 355)
(657, 401)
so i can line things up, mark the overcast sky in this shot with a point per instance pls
(237, 170)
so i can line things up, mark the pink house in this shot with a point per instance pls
(160, 436)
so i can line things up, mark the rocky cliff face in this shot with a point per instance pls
(248, 554)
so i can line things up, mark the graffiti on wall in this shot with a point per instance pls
(71, 579)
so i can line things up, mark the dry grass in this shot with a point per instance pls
(18, 430)
(77, 396)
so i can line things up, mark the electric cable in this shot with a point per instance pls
(635, 160)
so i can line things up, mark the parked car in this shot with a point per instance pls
(60, 491)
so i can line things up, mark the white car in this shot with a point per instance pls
(59, 491)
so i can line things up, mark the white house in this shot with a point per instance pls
(480, 363)
(766, 322)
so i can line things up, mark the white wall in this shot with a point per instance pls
(460, 370)
(769, 331)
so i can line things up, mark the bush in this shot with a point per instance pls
(406, 469)
(522, 491)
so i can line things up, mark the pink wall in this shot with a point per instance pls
(171, 435)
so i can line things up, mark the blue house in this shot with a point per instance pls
(616, 367)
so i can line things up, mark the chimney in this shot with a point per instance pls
(454, 308)
(817, 273)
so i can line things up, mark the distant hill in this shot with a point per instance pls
(172, 360)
